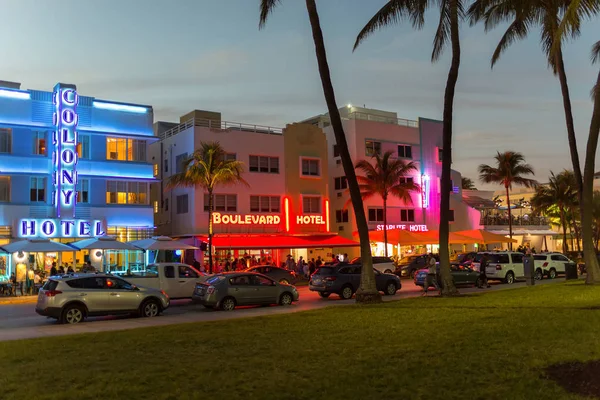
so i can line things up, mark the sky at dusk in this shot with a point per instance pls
(181, 55)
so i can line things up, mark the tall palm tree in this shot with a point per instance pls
(467, 183)
(452, 12)
(560, 192)
(510, 170)
(367, 292)
(208, 168)
(386, 178)
(596, 218)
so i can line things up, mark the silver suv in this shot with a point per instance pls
(72, 298)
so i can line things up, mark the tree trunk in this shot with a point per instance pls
(448, 288)
(563, 222)
(577, 233)
(385, 238)
(591, 261)
(210, 231)
(597, 238)
(367, 292)
(509, 216)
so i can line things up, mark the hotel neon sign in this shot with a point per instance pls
(425, 191)
(411, 228)
(50, 228)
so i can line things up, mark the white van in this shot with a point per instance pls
(503, 265)
(176, 279)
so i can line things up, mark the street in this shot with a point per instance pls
(20, 321)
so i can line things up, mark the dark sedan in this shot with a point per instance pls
(461, 275)
(344, 280)
(278, 274)
(409, 265)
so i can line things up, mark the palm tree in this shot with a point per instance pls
(510, 170)
(208, 168)
(596, 220)
(452, 12)
(467, 183)
(367, 292)
(560, 192)
(387, 177)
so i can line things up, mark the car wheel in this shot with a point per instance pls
(227, 304)
(478, 282)
(150, 309)
(539, 275)
(552, 273)
(387, 271)
(346, 292)
(72, 314)
(391, 289)
(324, 294)
(510, 278)
(284, 282)
(285, 299)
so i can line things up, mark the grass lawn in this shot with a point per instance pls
(492, 346)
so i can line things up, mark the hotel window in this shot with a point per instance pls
(83, 146)
(336, 150)
(264, 164)
(39, 143)
(166, 165)
(341, 216)
(405, 151)
(180, 162)
(407, 180)
(265, 204)
(311, 167)
(451, 216)
(222, 202)
(372, 148)
(155, 206)
(5, 140)
(407, 215)
(137, 193)
(4, 189)
(155, 170)
(121, 149)
(375, 214)
(116, 192)
(440, 154)
(182, 204)
(230, 157)
(37, 190)
(83, 191)
(311, 204)
(341, 183)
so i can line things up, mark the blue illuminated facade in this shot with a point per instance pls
(73, 166)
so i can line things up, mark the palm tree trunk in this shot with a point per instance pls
(448, 288)
(385, 238)
(210, 231)
(591, 261)
(367, 292)
(563, 222)
(509, 216)
(597, 237)
(572, 232)
(577, 234)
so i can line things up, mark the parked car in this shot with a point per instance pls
(279, 274)
(176, 279)
(461, 276)
(409, 265)
(465, 258)
(551, 265)
(344, 280)
(503, 265)
(227, 290)
(72, 298)
(381, 264)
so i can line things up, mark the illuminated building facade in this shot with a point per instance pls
(72, 167)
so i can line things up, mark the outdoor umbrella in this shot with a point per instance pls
(103, 243)
(162, 243)
(36, 246)
(485, 237)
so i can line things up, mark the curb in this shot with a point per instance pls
(18, 300)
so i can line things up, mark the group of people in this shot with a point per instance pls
(66, 268)
(306, 269)
(432, 279)
(27, 283)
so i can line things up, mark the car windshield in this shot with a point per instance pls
(325, 271)
(407, 259)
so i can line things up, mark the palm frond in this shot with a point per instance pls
(595, 55)
(516, 30)
(442, 32)
(266, 8)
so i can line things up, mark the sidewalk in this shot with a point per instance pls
(17, 300)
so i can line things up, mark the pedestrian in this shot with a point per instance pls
(37, 280)
(319, 262)
(431, 278)
(61, 270)
(30, 279)
(196, 265)
(53, 270)
(312, 267)
(345, 259)
(483, 280)
(70, 270)
(306, 269)
(13, 284)
(300, 266)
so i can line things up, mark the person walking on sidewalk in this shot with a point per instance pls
(483, 280)
(431, 278)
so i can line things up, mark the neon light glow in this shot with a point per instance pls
(411, 228)
(13, 94)
(310, 219)
(286, 203)
(238, 219)
(51, 227)
(120, 107)
(425, 181)
(327, 215)
(64, 157)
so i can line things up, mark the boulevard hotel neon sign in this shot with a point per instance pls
(64, 176)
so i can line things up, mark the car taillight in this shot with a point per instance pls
(545, 264)
(210, 290)
(330, 278)
(52, 293)
(498, 267)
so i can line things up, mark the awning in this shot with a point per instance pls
(279, 241)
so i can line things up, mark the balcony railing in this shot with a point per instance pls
(385, 120)
(516, 221)
(221, 126)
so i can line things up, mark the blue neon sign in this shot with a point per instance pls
(120, 107)
(52, 227)
(64, 157)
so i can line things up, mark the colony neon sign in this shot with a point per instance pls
(411, 228)
(60, 228)
(64, 157)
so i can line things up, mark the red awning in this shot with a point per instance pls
(279, 241)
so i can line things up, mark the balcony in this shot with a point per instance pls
(224, 126)
(496, 220)
(380, 118)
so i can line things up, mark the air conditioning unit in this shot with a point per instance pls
(338, 162)
(340, 228)
(339, 194)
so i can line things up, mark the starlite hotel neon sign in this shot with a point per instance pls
(64, 176)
